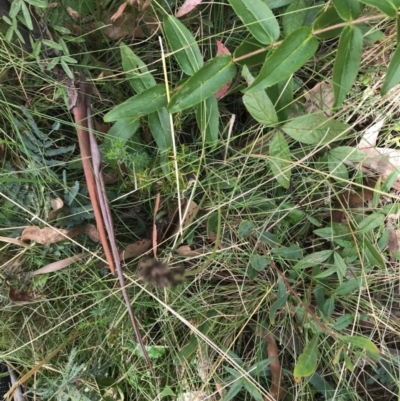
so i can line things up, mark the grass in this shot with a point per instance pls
(203, 336)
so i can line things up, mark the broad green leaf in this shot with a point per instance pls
(15, 7)
(233, 390)
(291, 252)
(259, 105)
(27, 16)
(348, 153)
(392, 77)
(326, 18)
(277, 3)
(280, 301)
(281, 95)
(136, 71)
(347, 62)
(160, 127)
(122, 131)
(307, 362)
(349, 287)
(37, 3)
(252, 390)
(251, 272)
(258, 19)
(315, 129)
(373, 255)
(207, 116)
(322, 386)
(280, 160)
(337, 168)
(245, 228)
(290, 55)
(313, 259)
(294, 16)
(340, 265)
(347, 9)
(146, 102)
(388, 7)
(258, 262)
(183, 44)
(371, 222)
(361, 342)
(250, 45)
(204, 83)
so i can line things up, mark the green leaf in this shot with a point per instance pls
(290, 56)
(371, 222)
(349, 287)
(361, 342)
(251, 272)
(183, 44)
(388, 7)
(348, 153)
(280, 301)
(207, 116)
(245, 228)
(281, 95)
(38, 3)
(280, 160)
(160, 127)
(233, 390)
(259, 105)
(340, 265)
(253, 391)
(374, 257)
(347, 9)
(347, 62)
(315, 129)
(136, 71)
(392, 77)
(15, 7)
(277, 3)
(337, 168)
(291, 252)
(313, 259)
(258, 19)
(307, 362)
(204, 83)
(122, 131)
(327, 17)
(144, 103)
(27, 16)
(250, 45)
(294, 16)
(258, 262)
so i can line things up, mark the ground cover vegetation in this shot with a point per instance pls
(248, 151)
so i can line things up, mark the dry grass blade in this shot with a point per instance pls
(59, 265)
(156, 207)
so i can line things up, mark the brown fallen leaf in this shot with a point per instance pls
(14, 241)
(186, 7)
(320, 98)
(22, 296)
(59, 264)
(277, 389)
(189, 210)
(136, 249)
(49, 235)
(185, 250)
(119, 12)
(222, 49)
(73, 13)
(56, 204)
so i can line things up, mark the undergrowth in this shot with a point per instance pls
(271, 243)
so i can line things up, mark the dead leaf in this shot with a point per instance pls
(222, 49)
(110, 177)
(185, 250)
(22, 296)
(320, 98)
(14, 241)
(48, 235)
(379, 160)
(73, 14)
(277, 389)
(119, 12)
(56, 203)
(188, 210)
(100, 126)
(158, 274)
(93, 232)
(59, 265)
(186, 7)
(136, 249)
